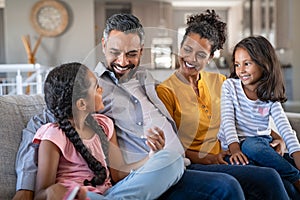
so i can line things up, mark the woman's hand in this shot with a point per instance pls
(221, 156)
(277, 143)
(155, 139)
(206, 158)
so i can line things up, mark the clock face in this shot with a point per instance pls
(49, 17)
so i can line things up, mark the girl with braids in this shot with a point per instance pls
(251, 96)
(75, 150)
(192, 97)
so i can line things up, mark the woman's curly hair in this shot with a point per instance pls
(64, 85)
(208, 25)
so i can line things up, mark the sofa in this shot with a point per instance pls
(16, 110)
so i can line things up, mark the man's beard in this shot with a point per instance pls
(115, 66)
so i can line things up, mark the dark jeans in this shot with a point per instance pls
(293, 193)
(196, 184)
(258, 150)
(257, 182)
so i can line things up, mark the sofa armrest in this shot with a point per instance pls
(16, 110)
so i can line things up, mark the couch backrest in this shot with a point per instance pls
(15, 112)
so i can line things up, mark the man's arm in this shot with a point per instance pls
(27, 154)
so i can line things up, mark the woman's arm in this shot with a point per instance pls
(206, 158)
(48, 160)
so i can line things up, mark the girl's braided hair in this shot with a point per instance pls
(208, 25)
(64, 85)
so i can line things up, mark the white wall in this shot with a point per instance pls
(73, 45)
(234, 25)
(295, 43)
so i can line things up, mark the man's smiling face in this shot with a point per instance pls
(122, 51)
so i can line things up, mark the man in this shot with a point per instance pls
(131, 101)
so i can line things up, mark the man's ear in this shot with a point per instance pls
(103, 45)
(142, 48)
(81, 104)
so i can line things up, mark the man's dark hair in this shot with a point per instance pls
(124, 22)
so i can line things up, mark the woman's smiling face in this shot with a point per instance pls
(194, 54)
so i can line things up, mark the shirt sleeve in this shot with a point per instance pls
(26, 158)
(285, 130)
(227, 113)
(106, 123)
(166, 96)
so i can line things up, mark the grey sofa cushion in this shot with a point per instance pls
(15, 112)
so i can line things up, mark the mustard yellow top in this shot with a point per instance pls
(197, 117)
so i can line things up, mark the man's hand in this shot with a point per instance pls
(155, 139)
(24, 195)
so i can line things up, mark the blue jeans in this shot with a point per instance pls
(257, 182)
(196, 184)
(158, 174)
(293, 193)
(258, 150)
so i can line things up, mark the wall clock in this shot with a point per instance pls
(49, 17)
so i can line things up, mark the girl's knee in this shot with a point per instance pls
(172, 161)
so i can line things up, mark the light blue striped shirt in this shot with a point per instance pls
(242, 117)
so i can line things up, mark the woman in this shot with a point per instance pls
(192, 97)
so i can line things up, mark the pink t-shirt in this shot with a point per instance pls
(72, 168)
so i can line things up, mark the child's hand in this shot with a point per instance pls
(155, 139)
(56, 191)
(238, 158)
